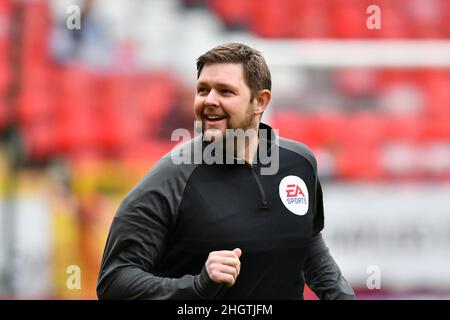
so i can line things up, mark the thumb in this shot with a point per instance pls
(238, 252)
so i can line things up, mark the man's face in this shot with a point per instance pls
(222, 100)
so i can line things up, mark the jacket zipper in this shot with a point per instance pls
(265, 203)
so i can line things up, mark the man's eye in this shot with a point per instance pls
(202, 90)
(226, 91)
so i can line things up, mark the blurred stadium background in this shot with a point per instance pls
(85, 113)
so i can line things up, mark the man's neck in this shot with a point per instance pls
(248, 150)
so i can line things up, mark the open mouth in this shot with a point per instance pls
(214, 118)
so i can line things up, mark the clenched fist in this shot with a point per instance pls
(224, 266)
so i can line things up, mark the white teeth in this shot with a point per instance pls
(214, 117)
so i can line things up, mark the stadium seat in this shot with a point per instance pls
(234, 13)
(268, 18)
(4, 83)
(358, 162)
(296, 126)
(39, 141)
(6, 19)
(307, 19)
(347, 19)
(73, 109)
(436, 128)
(329, 129)
(404, 129)
(366, 128)
(35, 101)
(357, 82)
(36, 27)
(428, 19)
(436, 84)
(33, 106)
(394, 23)
(155, 94)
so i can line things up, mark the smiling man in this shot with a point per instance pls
(225, 230)
(231, 96)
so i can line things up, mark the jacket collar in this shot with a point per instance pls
(266, 142)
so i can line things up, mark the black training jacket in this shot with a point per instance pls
(177, 214)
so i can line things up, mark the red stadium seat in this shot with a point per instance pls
(4, 82)
(394, 22)
(329, 129)
(33, 106)
(336, 19)
(368, 128)
(155, 94)
(234, 13)
(39, 141)
(108, 112)
(308, 19)
(296, 126)
(427, 19)
(358, 161)
(6, 19)
(357, 82)
(357, 150)
(347, 19)
(436, 84)
(74, 132)
(73, 109)
(268, 18)
(36, 28)
(35, 103)
(436, 129)
(404, 129)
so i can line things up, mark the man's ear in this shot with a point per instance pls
(262, 100)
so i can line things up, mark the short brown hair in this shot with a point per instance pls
(256, 72)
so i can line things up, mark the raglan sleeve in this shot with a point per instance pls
(136, 243)
(321, 272)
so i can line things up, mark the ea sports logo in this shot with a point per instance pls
(294, 195)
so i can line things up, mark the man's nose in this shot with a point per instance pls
(212, 98)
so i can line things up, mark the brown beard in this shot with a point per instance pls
(250, 122)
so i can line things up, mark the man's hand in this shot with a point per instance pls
(224, 266)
